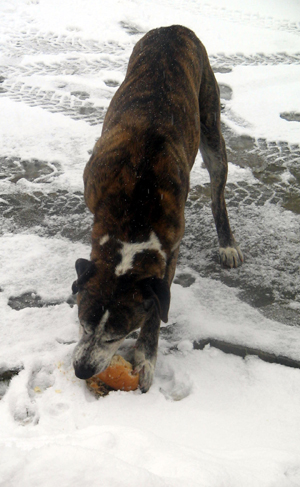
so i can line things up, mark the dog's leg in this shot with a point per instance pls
(146, 352)
(213, 150)
(147, 342)
(171, 266)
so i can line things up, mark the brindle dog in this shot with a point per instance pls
(136, 185)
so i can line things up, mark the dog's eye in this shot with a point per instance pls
(94, 317)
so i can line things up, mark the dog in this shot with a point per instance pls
(136, 184)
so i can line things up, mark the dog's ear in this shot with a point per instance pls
(85, 270)
(156, 291)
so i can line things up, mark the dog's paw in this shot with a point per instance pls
(231, 256)
(145, 368)
(146, 372)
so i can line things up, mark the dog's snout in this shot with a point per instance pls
(83, 371)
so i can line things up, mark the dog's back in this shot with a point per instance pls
(161, 87)
(150, 139)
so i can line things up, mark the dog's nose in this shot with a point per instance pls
(83, 372)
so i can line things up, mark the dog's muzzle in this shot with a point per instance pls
(83, 372)
(91, 357)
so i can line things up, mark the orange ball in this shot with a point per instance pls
(118, 376)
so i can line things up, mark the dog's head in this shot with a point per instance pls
(110, 307)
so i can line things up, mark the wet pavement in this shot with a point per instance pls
(265, 220)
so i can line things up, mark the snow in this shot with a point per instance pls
(43, 136)
(270, 91)
(210, 419)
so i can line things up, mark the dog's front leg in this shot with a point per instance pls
(146, 351)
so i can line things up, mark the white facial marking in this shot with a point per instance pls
(80, 330)
(104, 320)
(104, 239)
(129, 251)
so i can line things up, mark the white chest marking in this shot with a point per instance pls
(129, 250)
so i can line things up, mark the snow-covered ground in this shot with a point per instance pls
(210, 419)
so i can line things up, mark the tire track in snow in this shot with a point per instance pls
(71, 104)
(268, 235)
(76, 65)
(221, 62)
(34, 42)
(236, 16)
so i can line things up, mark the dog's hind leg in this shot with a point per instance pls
(213, 151)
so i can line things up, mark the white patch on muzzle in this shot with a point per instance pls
(129, 250)
(104, 239)
(104, 319)
(91, 351)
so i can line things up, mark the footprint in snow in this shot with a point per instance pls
(24, 390)
(177, 385)
(22, 406)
